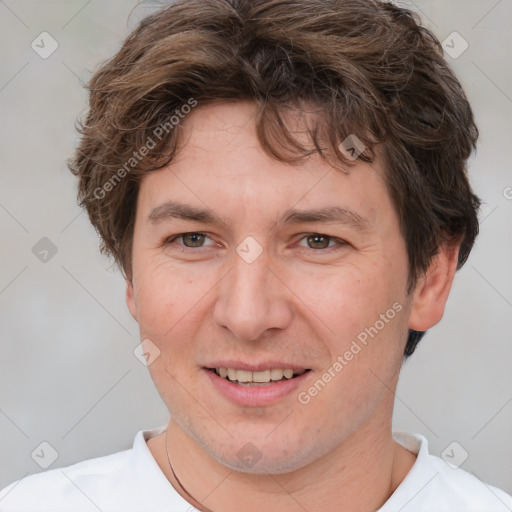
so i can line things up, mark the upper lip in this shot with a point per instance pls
(255, 367)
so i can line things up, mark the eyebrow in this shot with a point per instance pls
(330, 214)
(171, 210)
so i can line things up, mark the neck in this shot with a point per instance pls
(359, 475)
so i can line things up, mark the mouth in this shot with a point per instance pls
(268, 377)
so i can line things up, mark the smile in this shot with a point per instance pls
(264, 377)
(257, 388)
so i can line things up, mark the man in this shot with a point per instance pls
(283, 184)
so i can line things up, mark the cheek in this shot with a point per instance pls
(170, 311)
(361, 323)
(347, 300)
(170, 300)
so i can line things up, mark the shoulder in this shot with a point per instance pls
(433, 484)
(72, 487)
(125, 481)
(463, 489)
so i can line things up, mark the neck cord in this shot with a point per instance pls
(176, 478)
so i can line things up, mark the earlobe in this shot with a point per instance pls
(130, 300)
(432, 289)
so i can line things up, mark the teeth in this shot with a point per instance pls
(262, 377)
(243, 376)
(276, 374)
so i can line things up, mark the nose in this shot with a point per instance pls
(253, 299)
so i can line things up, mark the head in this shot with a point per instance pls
(254, 112)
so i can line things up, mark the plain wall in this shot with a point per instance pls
(67, 369)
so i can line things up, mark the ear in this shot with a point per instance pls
(130, 299)
(432, 289)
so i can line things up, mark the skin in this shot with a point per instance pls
(297, 301)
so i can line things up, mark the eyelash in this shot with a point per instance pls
(339, 242)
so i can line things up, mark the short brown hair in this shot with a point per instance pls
(368, 68)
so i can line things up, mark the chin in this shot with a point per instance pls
(265, 456)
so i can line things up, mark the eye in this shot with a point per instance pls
(190, 240)
(315, 241)
(319, 241)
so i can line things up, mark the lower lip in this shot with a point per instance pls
(255, 396)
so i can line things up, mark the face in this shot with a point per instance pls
(259, 280)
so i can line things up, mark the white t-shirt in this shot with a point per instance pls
(131, 480)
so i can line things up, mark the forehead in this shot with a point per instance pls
(221, 166)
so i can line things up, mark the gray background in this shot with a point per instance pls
(68, 373)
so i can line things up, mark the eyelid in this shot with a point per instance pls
(173, 238)
(339, 242)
